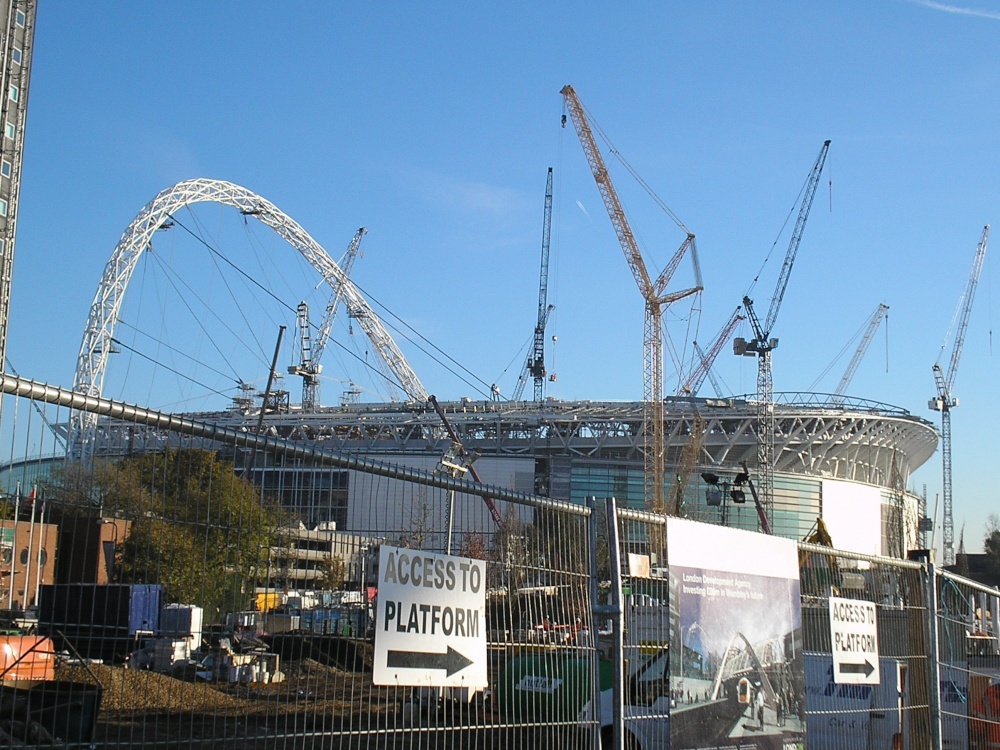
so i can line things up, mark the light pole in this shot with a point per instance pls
(715, 497)
(454, 463)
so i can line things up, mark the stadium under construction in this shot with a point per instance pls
(848, 461)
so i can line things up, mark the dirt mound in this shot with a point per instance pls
(310, 668)
(141, 690)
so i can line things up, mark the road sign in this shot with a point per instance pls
(854, 641)
(430, 627)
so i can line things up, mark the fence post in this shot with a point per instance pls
(598, 611)
(614, 611)
(933, 655)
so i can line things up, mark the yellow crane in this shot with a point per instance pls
(687, 463)
(654, 295)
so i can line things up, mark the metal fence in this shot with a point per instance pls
(219, 588)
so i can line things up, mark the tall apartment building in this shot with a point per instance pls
(17, 24)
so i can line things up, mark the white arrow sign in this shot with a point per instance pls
(854, 641)
(430, 627)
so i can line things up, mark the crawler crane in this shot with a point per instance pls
(654, 295)
(873, 324)
(705, 360)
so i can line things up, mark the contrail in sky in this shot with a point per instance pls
(994, 15)
(583, 209)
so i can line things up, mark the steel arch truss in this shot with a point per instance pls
(104, 311)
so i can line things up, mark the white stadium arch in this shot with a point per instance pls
(104, 311)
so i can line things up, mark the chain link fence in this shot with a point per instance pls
(213, 588)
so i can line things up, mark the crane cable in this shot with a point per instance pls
(486, 386)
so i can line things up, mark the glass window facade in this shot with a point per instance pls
(797, 499)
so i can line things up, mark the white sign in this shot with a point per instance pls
(854, 641)
(430, 627)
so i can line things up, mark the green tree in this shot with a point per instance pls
(991, 546)
(332, 572)
(196, 527)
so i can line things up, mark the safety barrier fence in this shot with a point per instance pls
(222, 588)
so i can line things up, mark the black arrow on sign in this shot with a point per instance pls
(866, 669)
(452, 661)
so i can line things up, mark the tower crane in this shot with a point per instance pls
(704, 367)
(873, 323)
(309, 367)
(944, 401)
(535, 364)
(653, 294)
(762, 344)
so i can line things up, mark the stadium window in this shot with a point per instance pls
(13, 93)
(20, 18)
(16, 55)
(9, 130)
(5, 168)
(3, 207)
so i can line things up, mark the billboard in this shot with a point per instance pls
(853, 516)
(737, 674)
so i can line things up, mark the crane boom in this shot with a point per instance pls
(330, 314)
(762, 344)
(711, 376)
(873, 323)
(655, 301)
(793, 244)
(945, 400)
(965, 308)
(611, 202)
(535, 364)
(703, 368)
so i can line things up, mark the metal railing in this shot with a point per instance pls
(180, 604)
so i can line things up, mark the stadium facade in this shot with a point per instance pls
(846, 460)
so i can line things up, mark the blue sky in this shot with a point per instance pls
(433, 125)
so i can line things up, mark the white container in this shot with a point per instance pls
(182, 621)
(169, 651)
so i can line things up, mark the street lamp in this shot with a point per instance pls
(454, 463)
(713, 493)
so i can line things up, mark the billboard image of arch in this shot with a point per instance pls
(736, 670)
